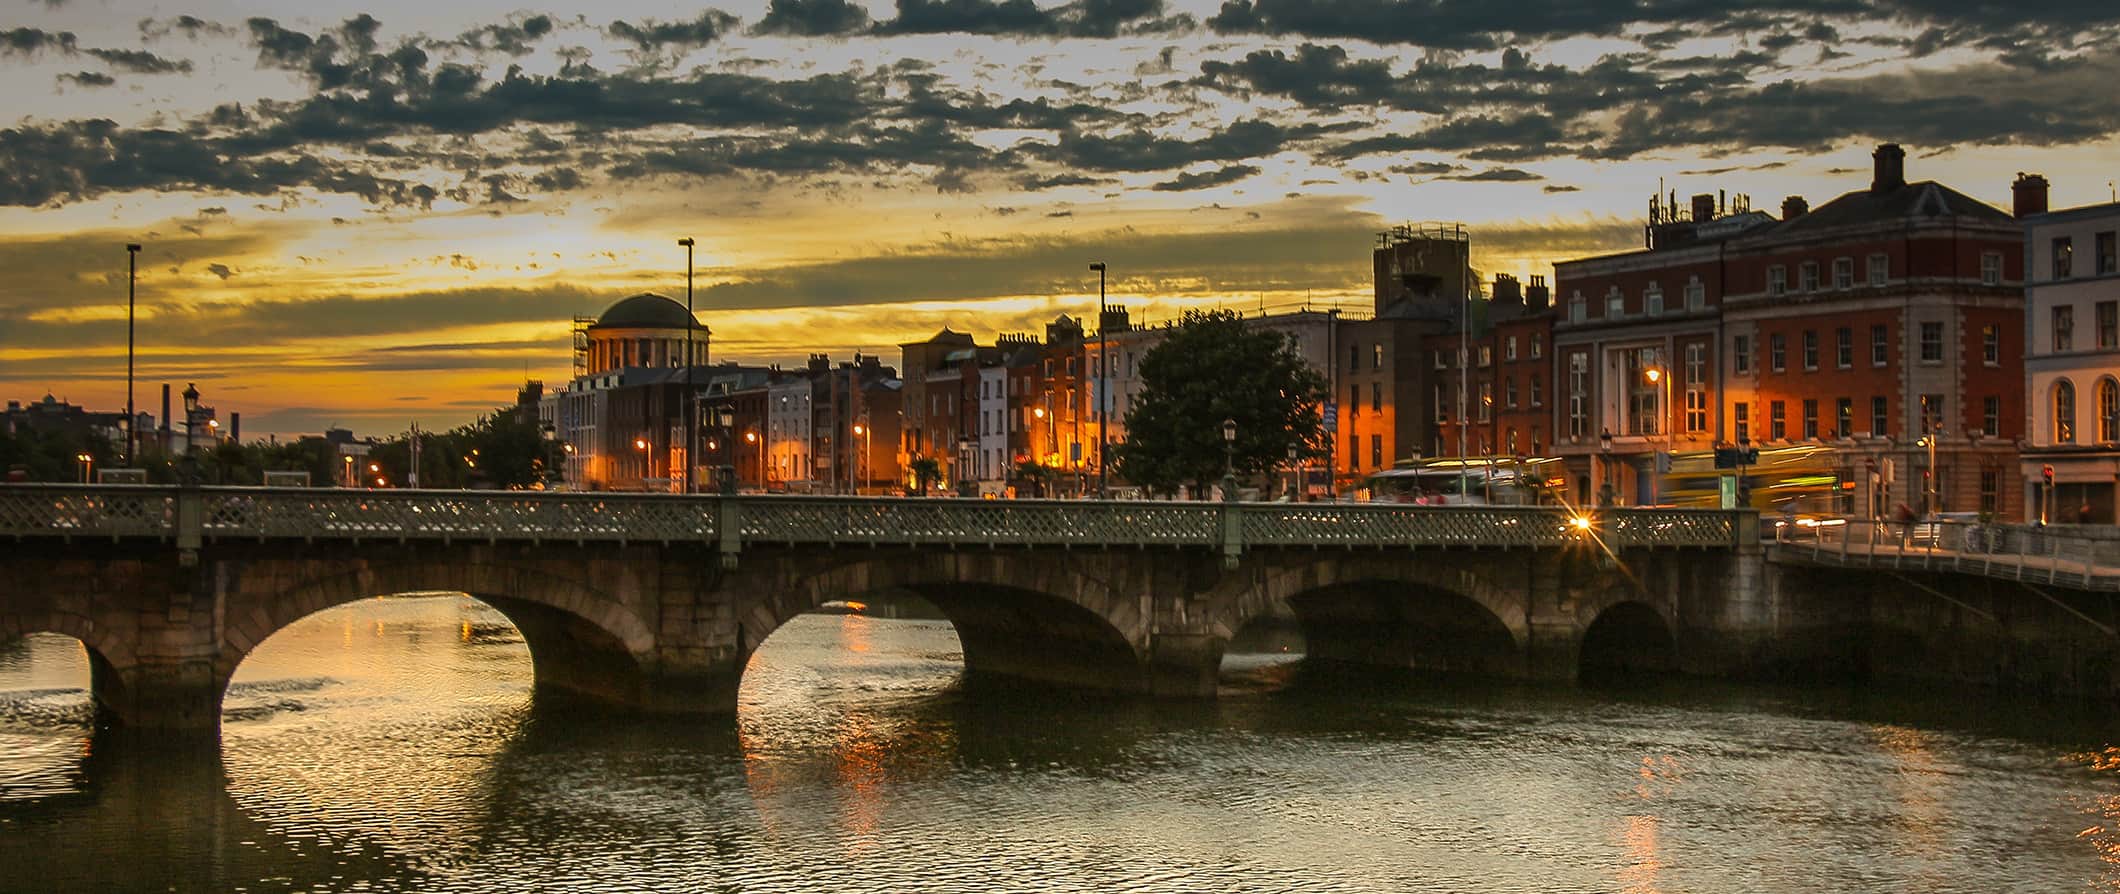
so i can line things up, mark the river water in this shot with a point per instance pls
(391, 745)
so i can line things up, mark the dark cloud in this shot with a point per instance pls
(140, 61)
(1551, 188)
(190, 26)
(812, 18)
(1036, 182)
(1425, 169)
(88, 79)
(221, 270)
(651, 35)
(1140, 150)
(516, 38)
(31, 41)
(1024, 18)
(1205, 179)
(1498, 175)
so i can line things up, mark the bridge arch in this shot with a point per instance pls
(1369, 609)
(1025, 617)
(110, 657)
(582, 642)
(1628, 636)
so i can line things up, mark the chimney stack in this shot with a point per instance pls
(165, 413)
(1507, 290)
(1794, 207)
(1891, 168)
(1703, 208)
(2028, 195)
(1537, 296)
(235, 428)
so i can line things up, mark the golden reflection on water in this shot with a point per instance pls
(2103, 814)
(1917, 784)
(1639, 876)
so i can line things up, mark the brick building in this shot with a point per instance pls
(2073, 370)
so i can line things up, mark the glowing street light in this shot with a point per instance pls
(86, 461)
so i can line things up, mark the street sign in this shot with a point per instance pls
(1332, 416)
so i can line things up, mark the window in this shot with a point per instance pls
(1931, 413)
(1509, 349)
(1696, 293)
(1810, 276)
(1354, 399)
(1440, 363)
(1653, 299)
(1615, 304)
(1931, 342)
(1741, 353)
(1990, 490)
(1354, 357)
(2108, 313)
(1442, 411)
(1777, 280)
(1843, 273)
(2108, 410)
(1509, 392)
(1991, 268)
(1376, 356)
(1810, 349)
(2064, 327)
(1880, 345)
(1486, 356)
(1810, 417)
(1741, 421)
(1644, 396)
(2108, 254)
(1538, 345)
(1991, 415)
(2064, 412)
(1844, 417)
(1578, 310)
(1880, 416)
(1376, 396)
(1376, 451)
(1991, 345)
(1777, 352)
(1354, 453)
(1486, 408)
(1777, 421)
(1880, 269)
(2064, 257)
(1696, 388)
(1538, 391)
(1578, 394)
(1844, 347)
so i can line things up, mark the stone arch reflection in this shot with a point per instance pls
(47, 715)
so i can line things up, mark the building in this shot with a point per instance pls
(621, 419)
(2072, 358)
(790, 422)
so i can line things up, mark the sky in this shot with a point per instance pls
(391, 213)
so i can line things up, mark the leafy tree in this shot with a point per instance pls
(926, 470)
(1213, 367)
(1039, 475)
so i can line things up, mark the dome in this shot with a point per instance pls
(646, 310)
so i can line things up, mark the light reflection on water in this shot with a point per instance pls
(393, 745)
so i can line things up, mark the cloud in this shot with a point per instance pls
(1551, 188)
(812, 18)
(515, 38)
(140, 61)
(31, 41)
(1206, 179)
(1023, 18)
(89, 79)
(1140, 150)
(651, 35)
(1498, 175)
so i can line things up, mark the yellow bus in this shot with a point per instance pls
(1802, 479)
(1467, 482)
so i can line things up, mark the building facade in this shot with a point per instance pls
(2072, 359)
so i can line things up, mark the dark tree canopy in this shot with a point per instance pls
(1212, 367)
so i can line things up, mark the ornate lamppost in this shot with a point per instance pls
(1229, 460)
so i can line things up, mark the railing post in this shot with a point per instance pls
(1232, 535)
(191, 523)
(1744, 530)
(728, 528)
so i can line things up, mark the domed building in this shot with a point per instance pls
(646, 330)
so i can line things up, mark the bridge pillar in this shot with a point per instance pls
(1184, 665)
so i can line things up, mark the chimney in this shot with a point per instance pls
(1794, 207)
(165, 412)
(1537, 296)
(235, 428)
(1506, 289)
(1703, 208)
(2028, 195)
(1891, 168)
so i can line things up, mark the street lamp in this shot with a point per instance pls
(1605, 491)
(691, 412)
(1295, 472)
(725, 421)
(1929, 496)
(85, 460)
(132, 275)
(647, 461)
(347, 462)
(964, 480)
(1657, 377)
(1229, 460)
(861, 463)
(1103, 378)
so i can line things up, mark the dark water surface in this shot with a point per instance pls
(391, 745)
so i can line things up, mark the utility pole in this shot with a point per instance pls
(132, 276)
(691, 396)
(1103, 381)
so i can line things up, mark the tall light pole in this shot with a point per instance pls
(1229, 460)
(1103, 379)
(860, 463)
(1929, 441)
(691, 412)
(1657, 376)
(132, 276)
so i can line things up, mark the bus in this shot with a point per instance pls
(1798, 479)
(1469, 482)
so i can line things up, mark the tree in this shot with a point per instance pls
(926, 470)
(1210, 368)
(1039, 475)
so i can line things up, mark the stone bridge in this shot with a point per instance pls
(656, 602)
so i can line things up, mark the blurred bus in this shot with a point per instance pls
(1802, 478)
(1469, 482)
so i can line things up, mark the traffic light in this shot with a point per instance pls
(2047, 472)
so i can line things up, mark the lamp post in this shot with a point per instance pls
(750, 441)
(85, 460)
(1103, 379)
(964, 481)
(725, 422)
(1928, 501)
(1295, 493)
(1229, 460)
(1658, 377)
(647, 461)
(132, 276)
(691, 411)
(1605, 490)
(860, 469)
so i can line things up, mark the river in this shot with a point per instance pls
(392, 745)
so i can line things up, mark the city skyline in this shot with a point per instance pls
(393, 214)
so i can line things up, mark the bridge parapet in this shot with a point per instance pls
(191, 516)
(2081, 559)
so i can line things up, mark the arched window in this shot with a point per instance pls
(2108, 409)
(2064, 412)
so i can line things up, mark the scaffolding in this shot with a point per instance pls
(581, 345)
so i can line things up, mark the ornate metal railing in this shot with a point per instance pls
(2056, 556)
(198, 515)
